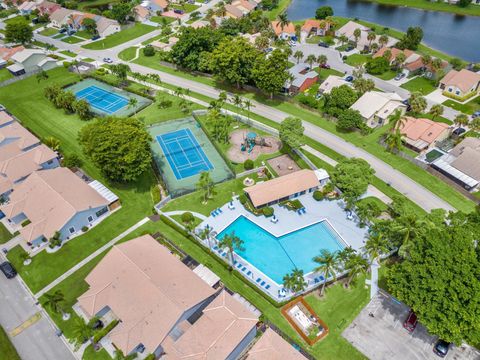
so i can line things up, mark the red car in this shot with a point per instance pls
(325, 66)
(411, 322)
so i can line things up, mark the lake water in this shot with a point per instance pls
(455, 35)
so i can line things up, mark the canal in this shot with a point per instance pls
(453, 34)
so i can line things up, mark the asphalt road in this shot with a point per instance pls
(37, 342)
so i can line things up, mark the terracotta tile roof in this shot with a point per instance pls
(6, 53)
(463, 79)
(272, 346)
(394, 52)
(162, 3)
(147, 288)
(311, 23)
(424, 130)
(141, 11)
(234, 11)
(281, 187)
(17, 132)
(288, 29)
(5, 118)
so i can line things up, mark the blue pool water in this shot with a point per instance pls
(276, 257)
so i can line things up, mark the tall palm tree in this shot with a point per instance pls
(356, 34)
(294, 281)
(383, 40)
(132, 103)
(370, 37)
(461, 120)
(343, 39)
(344, 255)
(248, 105)
(327, 264)
(221, 11)
(355, 265)
(283, 20)
(237, 101)
(375, 246)
(298, 55)
(322, 59)
(396, 119)
(54, 301)
(393, 140)
(436, 110)
(231, 242)
(426, 59)
(81, 330)
(206, 184)
(310, 60)
(205, 234)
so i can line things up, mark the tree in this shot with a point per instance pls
(436, 110)
(322, 60)
(119, 147)
(349, 120)
(363, 85)
(475, 124)
(383, 40)
(367, 211)
(387, 54)
(54, 301)
(327, 263)
(262, 42)
(51, 92)
(291, 132)
(461, 120)
(120, 71)
(311, 60)
(232, 243)
(396, 119)
(370, 37)
(81, 330)
(18, 30)
(298, 55)
(352, 176)
(72, 161)
(206, 234)
(411, 39)
(52, 142)
(66, 100)
(426, 60)
(400, 59)
(42, 75)
(340, 98)
(248, 105)
(394, 140)
(356, 264)
(132, 104)
(120, 11)
(271, 73)
(343, 39)
(376, 246)
(464, 3)
(294, 281)
(206, 184)
(456, 63)
(237, 101)
(377, 66)
(283, 20)
(356, 34)
(417, 103)
(323, 12)
(90, 26)
(82, 109)
(233, 60)
(148, 50)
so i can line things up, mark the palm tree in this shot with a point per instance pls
(436, 110)
(356, 34)
(396, 119)
(221, 11)
(322, 60)
(155, 77)
(298, 55)
(81, 330)
(383, 40)
(355, 265)
(461, 120)
(237, 101)
(426, 59)
(370, 37)
(393, 140)
(436, 65)
(52, 143)
(231, 242)
(311, 60)
(344, 255)
(400, 59)
(294, 281)
(343, 39)
(205, 234)
(475, 124)
(374, 47)
(132, 103)
(206, 184)
(54, 301)
(375, 246)
(248, 105)
(283, 20)
(327, 264)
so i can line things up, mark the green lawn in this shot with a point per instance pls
(357, 59)
(128, 53)
(49, 32)
(26, 101)
(388, 75)
(375, 200)
(120, 37)
(91, 354)
(280, 8)
(92, 4)
(42, 45)
(188, 8)
(88, 60)
(84, 34)
(324, 73)
(5, 235)
(72, 40)
(7, 350)
(434, 5)
(467, 108)
(68, 53)
(162, 19)
(420, 84)
(5, 75)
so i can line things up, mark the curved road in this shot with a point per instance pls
(402, 183)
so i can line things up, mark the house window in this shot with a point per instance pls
(101, 211)
(90, 218)
(71, 230)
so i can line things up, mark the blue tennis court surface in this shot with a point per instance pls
(184, 153)
(101, 99)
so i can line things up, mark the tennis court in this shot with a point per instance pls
(184, 153)
(102, 99)
(107, 100)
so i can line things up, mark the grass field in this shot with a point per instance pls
(83, 34)
(49, 31)
(420, 84)
(128, 53)
(280, 8)
(387, 75)
(7, 350)
(467, 108)
(120, 37)
(188, 8)
(434, 5)
(5, 235)
(357, 59)
(162, 19)
(5, 75)
(26, 101)
(68, 53)
(72, 40)
(91, 354)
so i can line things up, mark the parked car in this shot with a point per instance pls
(476, 114)
(323, 44)
(108, 60)
(458, 131)
(410, 322)
(400, 76)
(441, 348)
(62, 30)
(349, 48)
(179, 11)
(325, 66)
(95, 37)
(8, 270)
(349, 78)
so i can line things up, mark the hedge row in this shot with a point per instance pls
(99, 335)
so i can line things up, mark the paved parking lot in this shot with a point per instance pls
(383, 336)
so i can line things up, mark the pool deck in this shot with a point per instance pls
(331, 211)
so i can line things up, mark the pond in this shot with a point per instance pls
(452, 34)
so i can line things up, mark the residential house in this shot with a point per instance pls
(285, 187)
(239, 8)
(315, 27)
(271, 346)
(251, 38)
(27, 7)
(462, 163)
(461, 84)
(362, 43)
(199, 24)
(6, 53)
(331, 82)
(141, 13)
(54, 200)
(20, 154)
(163, 307)
(422, 134)
(30, 60)
(60, 16)
(286, 32)
(47, 7)
(161, 46)
(301, 78)
(156, 6)
(376, 107)
(107, 26)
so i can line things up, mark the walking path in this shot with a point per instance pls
(374, 281)
(90, 257)
(179, 212)
(320, 155)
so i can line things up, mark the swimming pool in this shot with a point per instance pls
(278, 256)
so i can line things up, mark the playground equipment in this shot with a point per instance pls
(251, 139)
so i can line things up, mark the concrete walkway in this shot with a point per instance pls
(90, 257)
(374, 281)
(320, 155)
(179, 212)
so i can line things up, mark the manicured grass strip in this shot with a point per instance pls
(25, 99)
(162, 19)
(467, 108)
(68, 53)
(280, 8)
(5, 235)
(5, 75)
(83, 34)
(420, 84)
(88, 60)
(357, 59)
(434, 5)
(72, 40)
(128, 53)
(48, 32)
(120, 37)
(7, 350)
(91, 354)
(92, 4)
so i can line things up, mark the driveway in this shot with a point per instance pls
(436, 96)
(383, 337)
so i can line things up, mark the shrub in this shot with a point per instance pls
(318, 195)
(148, 50)
(99, 335)
(309, 101)
(66, 64)
(164, 104)
(243, 199)
(248, 164)
(267, 211)
(72, 161)
(84, 228)
(187, 217)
